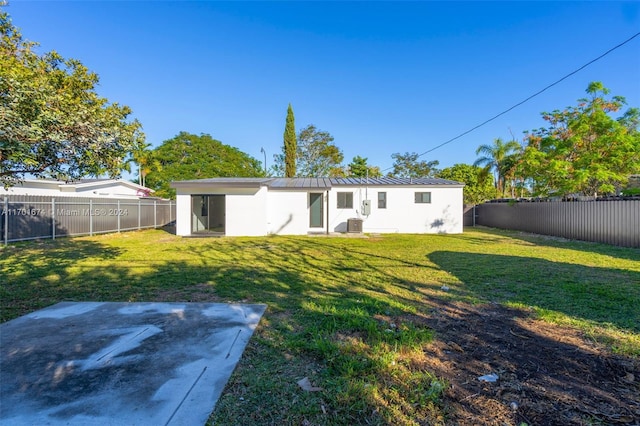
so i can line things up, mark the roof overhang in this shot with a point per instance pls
(73, 185)
(307, 184)
(105, 182)
(220, 183)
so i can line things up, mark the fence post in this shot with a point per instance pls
(155, 214)
(90, 217)
(6, 221)
(53, 218)
(118, 214)
(139, 213)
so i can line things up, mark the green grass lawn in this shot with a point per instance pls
(347, 313)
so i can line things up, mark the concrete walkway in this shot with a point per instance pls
(120, 363)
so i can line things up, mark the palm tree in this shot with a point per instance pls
(510, 171)
(144, 158)
(147, 163)
(499, 159)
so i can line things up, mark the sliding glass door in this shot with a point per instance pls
(207, 214)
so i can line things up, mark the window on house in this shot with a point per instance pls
(423, 197)
(382, 200)
(345, 200)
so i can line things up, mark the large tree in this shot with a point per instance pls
(501, 159)
(478, 184)
(189, 156)
(407, 165)
(584, 149)
(317, 154)
(359, 168)
(290, 144)
(52, 122)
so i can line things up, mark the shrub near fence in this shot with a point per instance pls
(33, 217)
(609, 222)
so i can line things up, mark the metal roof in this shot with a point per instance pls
(300, 183)
(313, 183)
(224, 182)
(390, 181)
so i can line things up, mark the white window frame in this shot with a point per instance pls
(422, 197)
(346, 202)
(384, 200)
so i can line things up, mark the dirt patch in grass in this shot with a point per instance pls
(547, 374)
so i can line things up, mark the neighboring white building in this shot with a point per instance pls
(300, 206)
(95, 188)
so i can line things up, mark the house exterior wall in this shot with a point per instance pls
(245, 210)
(264, 211)
(402, 214)
(288, 212)
(183, 214)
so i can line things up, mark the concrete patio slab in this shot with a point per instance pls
(120, 363)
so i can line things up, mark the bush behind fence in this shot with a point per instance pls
(34, 217)
(609, 222)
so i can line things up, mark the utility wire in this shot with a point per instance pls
(527, 99)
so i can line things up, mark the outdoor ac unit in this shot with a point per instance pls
(354, 225)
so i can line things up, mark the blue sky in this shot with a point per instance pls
(381, 77)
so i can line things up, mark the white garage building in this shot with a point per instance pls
(301, 206)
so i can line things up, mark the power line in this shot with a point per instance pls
(527, 99)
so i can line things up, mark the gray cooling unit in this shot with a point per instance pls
(354, 225)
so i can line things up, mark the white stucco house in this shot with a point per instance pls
(301, 206)
(94, 188)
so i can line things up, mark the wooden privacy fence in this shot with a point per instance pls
(610, 222)
(27, 217)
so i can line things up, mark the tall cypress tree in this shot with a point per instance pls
(290, 144)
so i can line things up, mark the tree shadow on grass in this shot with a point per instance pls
(39, 269)
(617, 252)
(330, 305)
(326, 328)
(600, 295)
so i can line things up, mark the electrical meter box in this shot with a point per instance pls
(366, 207)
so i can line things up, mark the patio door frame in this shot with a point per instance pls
(208, 214)
(316, 210)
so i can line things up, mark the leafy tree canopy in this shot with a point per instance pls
(359, 168)
(584, 149)
(52, 122)
(478, 183)
(407, 165)
(317, 154)
(189, 156)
